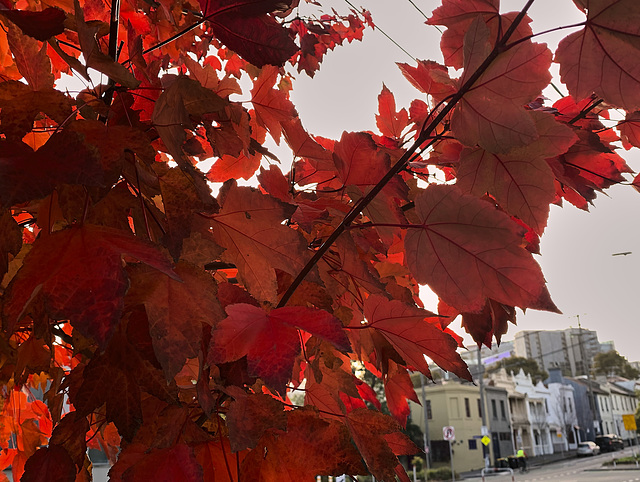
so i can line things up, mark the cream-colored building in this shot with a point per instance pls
(456, 404)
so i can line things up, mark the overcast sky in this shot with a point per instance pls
(583, 277)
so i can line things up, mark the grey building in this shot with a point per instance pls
(498, 420)
(572, 350)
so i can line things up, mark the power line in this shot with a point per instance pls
(385, 34)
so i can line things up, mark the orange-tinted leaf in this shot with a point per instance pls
(78, 275)
(491, 113)
(234, 167)
(249, 226)
(600, 58)
(48, 464)
(413, 332)
(301, 143)
(178, 311)
(271, 341)
(630, 130)
(468, 251)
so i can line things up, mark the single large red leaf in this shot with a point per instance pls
(468, 251)
(491, 113)
(271, 341)
(31, 59)
(520, 180)
(414, 333)
(358, 160)
(369, 429)
(178, 311)
(429, 77)
(601, 58)
(249, 227)
(310, 447)
(272, 106)
(398, 388)
(78, 275)
(49, 464)
(390, 122)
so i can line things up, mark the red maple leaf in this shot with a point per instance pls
(270, 340)
(77, 274)
(468, 251)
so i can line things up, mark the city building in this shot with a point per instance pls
(572, 350)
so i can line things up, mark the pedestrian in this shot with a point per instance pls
(522, 460)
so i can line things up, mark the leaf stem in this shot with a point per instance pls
(363, 202)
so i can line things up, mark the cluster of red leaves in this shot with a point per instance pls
(168, 327)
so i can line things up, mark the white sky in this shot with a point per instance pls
(583, 278)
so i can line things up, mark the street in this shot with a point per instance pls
(574, 470)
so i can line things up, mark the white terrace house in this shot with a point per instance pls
(534, 437)
(563, 414)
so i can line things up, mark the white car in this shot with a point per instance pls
(587, 448)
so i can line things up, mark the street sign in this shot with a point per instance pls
(629, 422)
(485, 440)
(448, 433)
(484, 430)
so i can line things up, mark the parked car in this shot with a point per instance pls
(587, 448)
(609, 443)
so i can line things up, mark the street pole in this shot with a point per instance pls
(485, 449)
(453, 474)
(585, 364)
(425, 436)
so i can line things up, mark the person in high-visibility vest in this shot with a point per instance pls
(522, 460)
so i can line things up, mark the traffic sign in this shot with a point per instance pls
(629, 422)
(484, 430)
(485, 440)
(448, 433)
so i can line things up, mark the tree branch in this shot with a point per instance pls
(363, 202)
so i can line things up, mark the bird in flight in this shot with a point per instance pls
(622, 254)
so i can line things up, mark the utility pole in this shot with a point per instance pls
(427, 452)
(585, 364)
(485, 449)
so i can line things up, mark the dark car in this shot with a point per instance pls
(609, 443)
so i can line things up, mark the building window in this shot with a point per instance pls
(454, 405)
(494, 411)
(479, 409)
(473, 444)
(546, 406)
(503, 412)
(505, 436)
(467, 408)
(429, 414)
